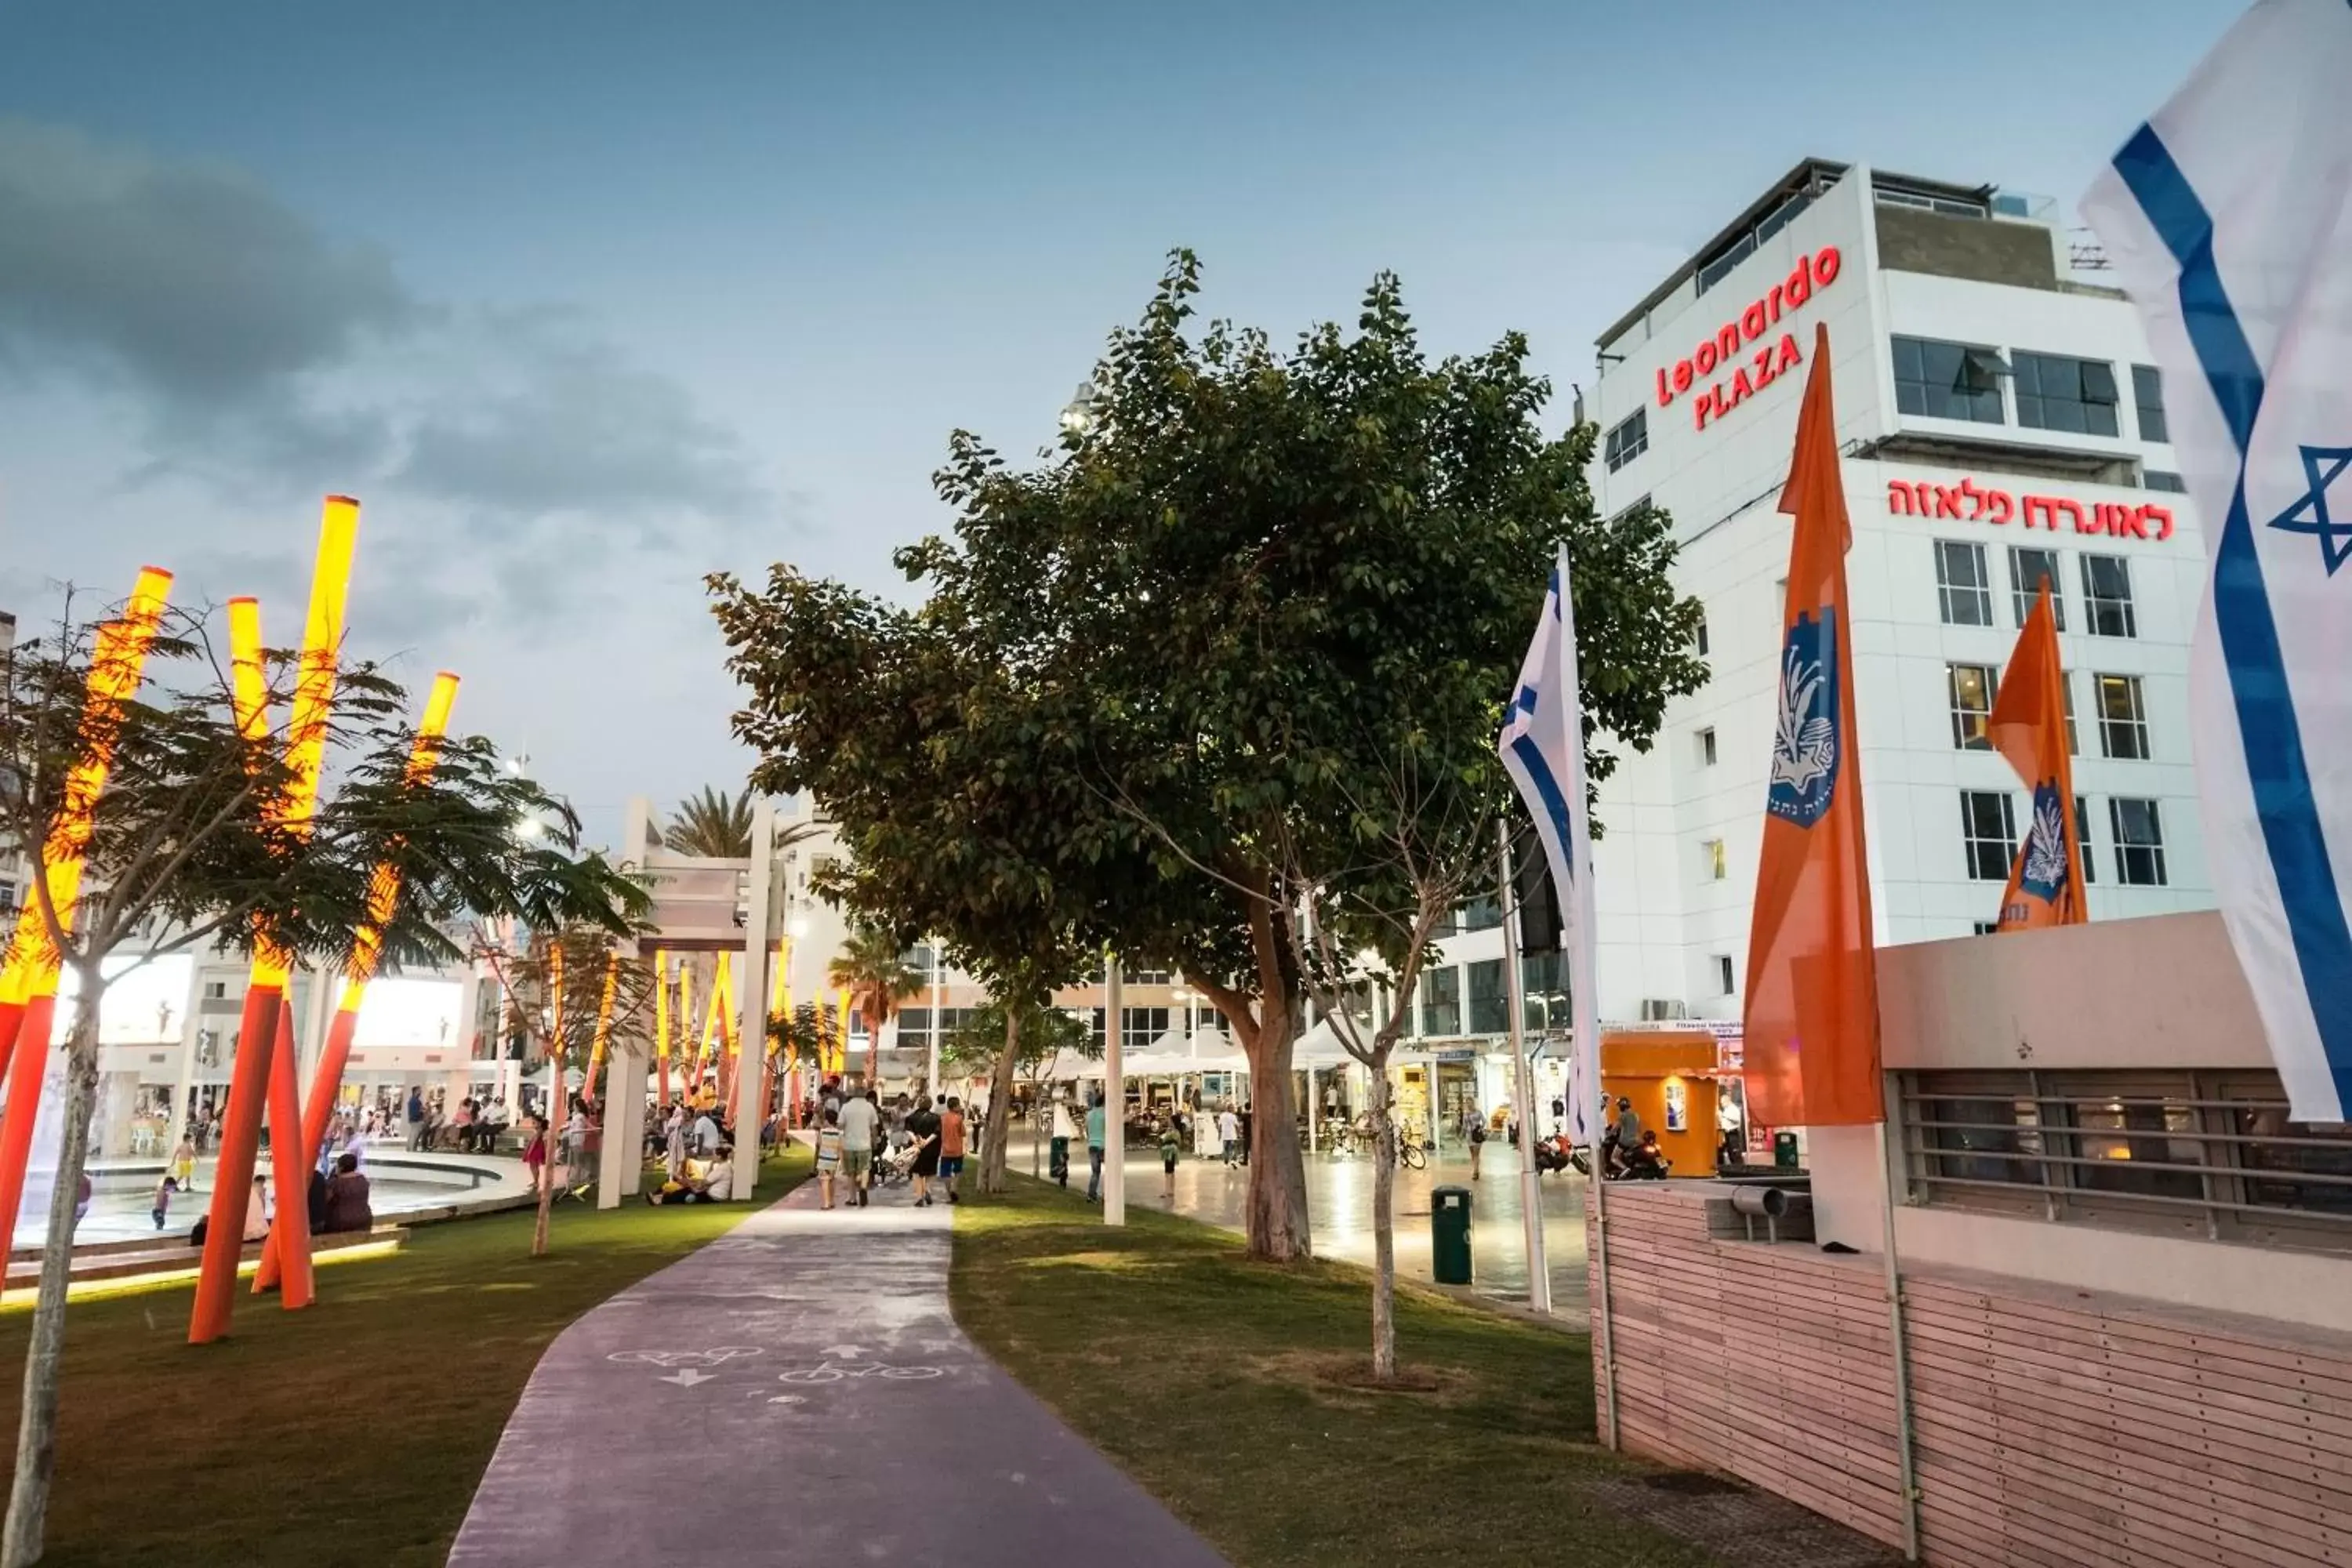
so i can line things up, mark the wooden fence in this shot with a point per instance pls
(2053, 1428)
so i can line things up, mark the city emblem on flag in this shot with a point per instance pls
(1805, 737)
(2043, 876)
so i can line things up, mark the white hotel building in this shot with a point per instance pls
(2000, 419)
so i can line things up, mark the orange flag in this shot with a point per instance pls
(2028, 727)
(1812, 1022)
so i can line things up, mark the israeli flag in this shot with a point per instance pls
(2227, 219)
(1542, 746)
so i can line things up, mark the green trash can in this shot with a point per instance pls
(1784, 1151)
(1449, 1235)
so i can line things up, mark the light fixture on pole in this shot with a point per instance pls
(1078, 414)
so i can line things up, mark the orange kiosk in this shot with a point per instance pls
(1670, 1075)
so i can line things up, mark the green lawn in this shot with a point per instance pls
(1222, 1385)
(353, 1433)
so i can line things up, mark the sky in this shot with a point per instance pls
(586, 300)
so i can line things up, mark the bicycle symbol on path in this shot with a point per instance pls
(845, 1362)
(686, 1365)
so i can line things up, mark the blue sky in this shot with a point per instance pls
(586, 300)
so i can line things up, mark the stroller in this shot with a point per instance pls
(896, 1162)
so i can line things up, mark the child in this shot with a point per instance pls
(184, 1165)
(1168, 1144)
(163, 1200)
(828, 1155)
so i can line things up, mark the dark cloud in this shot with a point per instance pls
(187, 277)
(568, 423)
(524, 452)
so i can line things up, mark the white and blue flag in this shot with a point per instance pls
(1543, 744)
(2229, 219)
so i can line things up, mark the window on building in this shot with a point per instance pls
(216, 989)
(1948, 381)
(1986, 927)
(1151, 977)
(2148, 395)
(2067, 691)
(1482, 913)
(1441, 1001)
(1701, 638)
(2083, 836)
(2164, 479)
(2138, 828)
(1628, 439)
(2107, 597)
(1138, 1026)
(1545, 975)
(2029, 568)
(1706, 747)
(2123, 718)
(914, 1025)
(1988, 834)
(1711, 859)
(1490, 1006)
(1972, 687)
(1724, 979)
(7, 896)
(2055, 392)
(1963, 586)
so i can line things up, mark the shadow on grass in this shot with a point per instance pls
(353, 1433)
(1234, 1391)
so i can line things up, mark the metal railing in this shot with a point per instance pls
(2208, 1154)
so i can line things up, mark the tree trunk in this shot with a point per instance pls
(1000, 1107)
(1277, 1172)
(1384, 1164)
(546, 1194)
(36, 1425)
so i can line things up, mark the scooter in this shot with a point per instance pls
(1557, 1154)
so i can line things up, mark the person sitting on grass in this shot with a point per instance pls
(347, 1198)
(709, 1187)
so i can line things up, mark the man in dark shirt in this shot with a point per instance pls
(923, 1127)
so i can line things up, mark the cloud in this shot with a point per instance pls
(568, 423)
(532, 462)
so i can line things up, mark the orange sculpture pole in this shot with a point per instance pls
(693, 1086)
(603, 1024)
(28, 985)
(367, 952)
(661, 1021)
(841, 1037)
(251, 1077)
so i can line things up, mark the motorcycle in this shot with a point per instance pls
(1557, 1154)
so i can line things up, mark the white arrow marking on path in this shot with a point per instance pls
(845, 1352)
(687, 1378)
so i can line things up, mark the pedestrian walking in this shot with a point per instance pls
(163, 1209)
(1171, 1145)
(860, 1120)
(951, 1142)
(1057, 1148)
(828, 1155)
(1097, 1128)
(923, 1127)
(1475, 1135)
(415, 1120)
(1229, 1134)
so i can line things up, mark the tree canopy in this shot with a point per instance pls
(1176, 667)
(711, 822)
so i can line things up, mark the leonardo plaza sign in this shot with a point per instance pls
(1740, 374)
(1968, 501)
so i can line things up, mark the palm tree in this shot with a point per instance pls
(875, 972)
(712, 823)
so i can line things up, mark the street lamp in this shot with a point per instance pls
(1078, 414)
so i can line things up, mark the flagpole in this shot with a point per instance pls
(1901, 1349)
(1523, 1090)
(1583, 964)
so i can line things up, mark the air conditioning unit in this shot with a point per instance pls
(1662, 1009)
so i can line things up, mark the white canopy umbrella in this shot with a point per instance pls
(1319, 1048)
(1214, 1050)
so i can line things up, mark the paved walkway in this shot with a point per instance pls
(797, 1392)
(1339, 1208)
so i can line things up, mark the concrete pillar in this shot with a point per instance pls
(620, 1168)
(752, 996)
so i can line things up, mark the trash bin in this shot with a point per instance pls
(1449, 1235)
(1784, 1151)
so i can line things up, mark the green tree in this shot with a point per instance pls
(1191, 644)
(1010, 1041)
(189, 848)
(556, 992)
(712, 824)
(811, 1031)
(872, 967)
